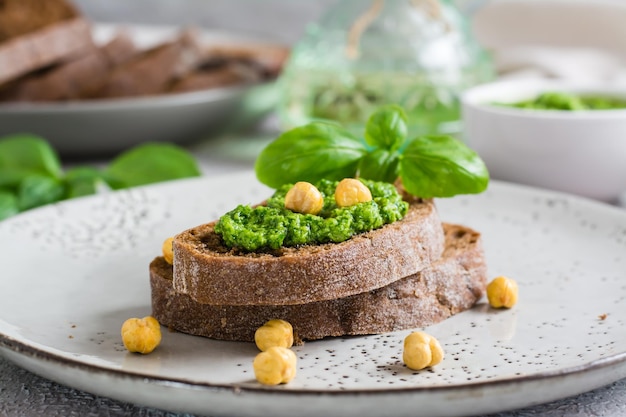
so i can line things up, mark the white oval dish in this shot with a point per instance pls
(105, 127)
(579, 152)
(74, 271)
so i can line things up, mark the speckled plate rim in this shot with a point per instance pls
(10, 344)
(242, 399)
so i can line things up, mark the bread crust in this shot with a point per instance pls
(212, 274)
(452, 284)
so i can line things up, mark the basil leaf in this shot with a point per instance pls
(149, 163)
(380, 165)
(387, 127)
(310, 153)
(82, 181)
(8, 204)
(441, 166)
(38, 190)
(23, 155)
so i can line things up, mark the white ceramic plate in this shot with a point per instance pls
(108, 126)
(73, 272)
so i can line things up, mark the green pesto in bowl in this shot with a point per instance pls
(272, 226)
(569, 101)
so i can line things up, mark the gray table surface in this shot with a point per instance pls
(24, 394)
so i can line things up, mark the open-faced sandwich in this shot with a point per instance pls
(350, 243)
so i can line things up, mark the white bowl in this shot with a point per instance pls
(578, 152)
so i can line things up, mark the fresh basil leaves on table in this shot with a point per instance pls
(429, 166)
(31, 174)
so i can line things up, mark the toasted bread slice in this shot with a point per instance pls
(452, 284)
(269, 58)
(73, 78)
(211, 273)
(226, 75)
(153, 71)
(19, 17)
(43, 47)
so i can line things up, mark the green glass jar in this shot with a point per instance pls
(419, 54)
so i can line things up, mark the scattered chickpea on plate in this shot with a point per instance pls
(141, 335)
(421, 350)
(276, 365)
(275, 332)
(502, 292)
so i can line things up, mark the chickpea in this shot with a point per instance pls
(141, 335)
(351, 191)
(304, 198)
(277, 365)
(168, 252)
(502, 292)
(275, 332)
(421, 350)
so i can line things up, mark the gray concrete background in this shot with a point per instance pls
(284, 20)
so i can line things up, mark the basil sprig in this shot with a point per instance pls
(429, 166)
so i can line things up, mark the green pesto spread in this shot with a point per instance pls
(272, 226)
(565, 101)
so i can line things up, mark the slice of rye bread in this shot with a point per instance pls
(74, 78)
(153, 71)
(452, 284)
(269, 58)
(229, 74)
(43, 47)
(227, 65)
(211, 273)
(18, 17)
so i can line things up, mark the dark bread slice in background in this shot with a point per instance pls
(77, 77)
(44, 47)
(211, 273)
(228, 65)
(153, 71)
(452, 284)
(19, 17)
(226, 75)
(270, 59)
